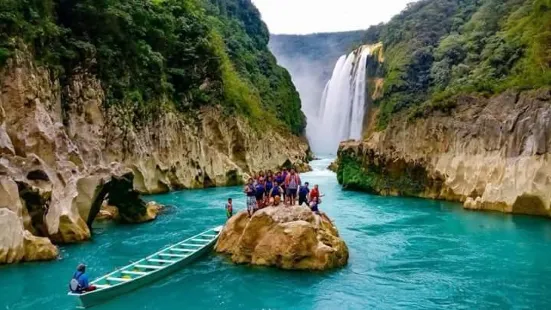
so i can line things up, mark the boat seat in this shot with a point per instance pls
(149, 266)
(100, 286)
(118, 279)
(190, 244)
(200, 240)
(138, 273)
(182, 250)
(206, 240)
(162, 261)
(172, 255)
(210, 236)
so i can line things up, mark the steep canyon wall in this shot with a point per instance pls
(59, 148)
(489, 153)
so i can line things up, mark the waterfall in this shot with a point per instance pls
(343, 104)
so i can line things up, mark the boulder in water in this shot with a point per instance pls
(18, 244)
(285, 237)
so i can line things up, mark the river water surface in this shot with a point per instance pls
(404, 253)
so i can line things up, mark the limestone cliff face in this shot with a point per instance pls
(61, 148)
(491, 154)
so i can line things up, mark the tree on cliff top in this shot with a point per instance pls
(154, 55)
(436, 49)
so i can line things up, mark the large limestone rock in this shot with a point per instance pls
(18, 244)
(285, 237)
(489, 153)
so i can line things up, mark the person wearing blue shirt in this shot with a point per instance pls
(303, 194)
(79, 283)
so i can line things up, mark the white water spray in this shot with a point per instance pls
(343, 104)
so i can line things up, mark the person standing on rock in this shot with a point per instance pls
(303, 194)
(314, 205)
(251, 197)
(260, 192)
(284, 175)
(292, 182)
(269, 184)
(315, 194)
(275, 193)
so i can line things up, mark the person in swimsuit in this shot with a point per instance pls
(251, 197)
(229, 208)
(292, 182)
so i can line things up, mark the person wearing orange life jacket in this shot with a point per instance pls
(315, 193)
(292, 183)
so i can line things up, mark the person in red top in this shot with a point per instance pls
(315, 193)
(292, 183)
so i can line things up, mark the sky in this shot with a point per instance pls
(309, 16)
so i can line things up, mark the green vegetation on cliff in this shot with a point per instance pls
(436, 49)
(397, 178)
(158, 54)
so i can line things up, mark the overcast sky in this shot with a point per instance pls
(308, 16)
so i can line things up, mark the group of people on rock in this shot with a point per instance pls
(271, 189)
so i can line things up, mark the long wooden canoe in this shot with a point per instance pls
(149, 269)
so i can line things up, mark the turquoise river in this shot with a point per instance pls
(404, 254)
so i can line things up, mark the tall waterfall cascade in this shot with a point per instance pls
(343, 104)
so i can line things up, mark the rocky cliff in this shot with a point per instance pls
(63, 152)
(489, 153)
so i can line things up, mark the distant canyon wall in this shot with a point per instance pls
(488, 153)
(58, 152)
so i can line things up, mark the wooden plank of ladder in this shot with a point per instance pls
(149, 267)
(118, 279)
(164, 261)
(172, 255)
(138, 273)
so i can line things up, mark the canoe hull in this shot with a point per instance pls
(94, 298)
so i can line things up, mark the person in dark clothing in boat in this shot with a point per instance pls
(229, 208)
(79, 283)
(303, 194)
(251, 197)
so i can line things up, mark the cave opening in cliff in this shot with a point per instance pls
(37, 204)
(118, 192)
